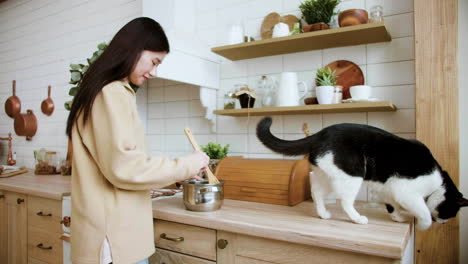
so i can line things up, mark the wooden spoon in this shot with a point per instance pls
(211, 177)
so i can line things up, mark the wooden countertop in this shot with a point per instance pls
(298, 224)
(47, 186)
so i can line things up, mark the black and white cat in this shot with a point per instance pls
(403, 171)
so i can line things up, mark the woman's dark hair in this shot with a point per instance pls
(116, 62)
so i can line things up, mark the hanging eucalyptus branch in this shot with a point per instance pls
(77, 72)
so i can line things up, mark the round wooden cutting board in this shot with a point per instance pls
(349, 74)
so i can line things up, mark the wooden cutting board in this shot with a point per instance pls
(13, 173)
(349, 74)
(274, 18)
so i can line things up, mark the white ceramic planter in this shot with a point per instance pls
(325, 94)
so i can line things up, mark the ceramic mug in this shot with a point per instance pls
(360, 92)
(325, 94)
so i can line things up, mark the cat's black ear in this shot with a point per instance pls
(462, 202)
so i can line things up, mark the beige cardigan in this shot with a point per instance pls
(111, 178)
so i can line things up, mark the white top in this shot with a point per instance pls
(106, 256)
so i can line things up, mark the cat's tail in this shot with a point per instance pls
(286, 147)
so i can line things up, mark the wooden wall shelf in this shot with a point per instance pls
(383, 106)
(323, 39)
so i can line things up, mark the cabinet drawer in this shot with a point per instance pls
(44, 246)
(45, 214)
(191, 240)
(243, 249)
(15, 198)
(168, 257)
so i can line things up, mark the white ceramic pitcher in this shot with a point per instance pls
(288, 92)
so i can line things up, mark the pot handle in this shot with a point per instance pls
(29, 111)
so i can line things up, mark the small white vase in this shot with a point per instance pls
(325, 94)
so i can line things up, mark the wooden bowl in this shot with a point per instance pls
(353, 17)
(310, 100)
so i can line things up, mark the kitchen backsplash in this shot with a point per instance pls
(387, 67)
(38, 41)
(45, 36)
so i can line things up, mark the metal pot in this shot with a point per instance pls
(26, 124)
(201, 196)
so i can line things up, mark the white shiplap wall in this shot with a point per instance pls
(388, 67)
(38, 41)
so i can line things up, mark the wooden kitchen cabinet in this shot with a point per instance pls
(16, 211)
(30, 229)
(243, 249)
(3, 229)
(44, 230)
(196, 242)
(195, 245)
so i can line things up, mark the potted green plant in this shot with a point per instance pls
(325, 82)
(317, 13)
(216, 152)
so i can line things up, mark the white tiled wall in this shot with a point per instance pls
(38, 41)
(388, 67)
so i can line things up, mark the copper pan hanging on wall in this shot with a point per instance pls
(26, 124)
(47, 105)
(13, 103)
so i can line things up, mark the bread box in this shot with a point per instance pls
(273, 181)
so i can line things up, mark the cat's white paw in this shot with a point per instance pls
(324, 214)
(399, 218)
(423, 224)
(361, 220)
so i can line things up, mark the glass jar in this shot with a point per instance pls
(52, 160)
(266, 88)
(229, 101)
(338, 94)
(376, 14)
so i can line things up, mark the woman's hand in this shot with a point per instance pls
(203, 161)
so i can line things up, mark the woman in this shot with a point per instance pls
(111, 205)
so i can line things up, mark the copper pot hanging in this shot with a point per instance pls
(13, 103)
(47, 105)
(26, 124)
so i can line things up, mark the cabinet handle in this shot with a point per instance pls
(179, 239)
(42, 214)
(222, 243)
(19, 201)
(41, 246)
